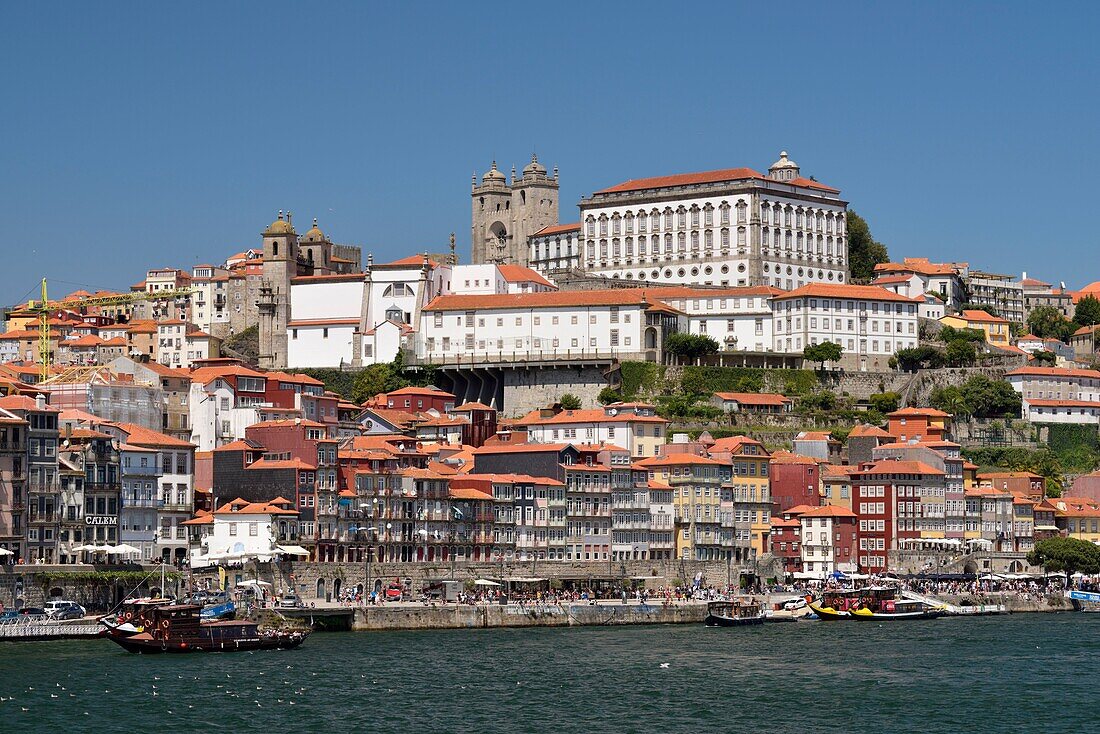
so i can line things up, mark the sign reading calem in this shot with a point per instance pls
(101, 520)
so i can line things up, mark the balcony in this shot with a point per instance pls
(175, 506)
(44, 517)
(128, 501)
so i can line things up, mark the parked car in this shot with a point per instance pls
(63, 609)
(794, 604)
(290, 600)
(22, 613)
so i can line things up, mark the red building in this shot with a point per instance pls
(417, 399)
(886, 498)
(919, 424)
(481, 423)
(795, 480)
(785, 539)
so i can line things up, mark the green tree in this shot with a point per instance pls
(374, 379)
(569, 401)
(1047, 322)
(823, 352)
(885, 402)
(922, 357)
(1045, 358)
(960, 354)
(1066, 554)
(863, 251)
(951, 400)
(950, 334)
(1087, 312)
(609, 395)
(690, 346)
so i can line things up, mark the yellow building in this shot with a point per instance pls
(750, 492)
(1078, 517)
(994, 327)
(697, 494)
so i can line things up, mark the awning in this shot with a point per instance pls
(523, 580)
(292, 550)
(6, 552)
(485, 582)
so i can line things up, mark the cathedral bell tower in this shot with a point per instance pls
(280, 265)
(506, 213)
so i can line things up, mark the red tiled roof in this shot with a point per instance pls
(281, 464)
(979, 316)
(920, 265)
(828, 511)
(558, 228)
(1054, 372)
(1061, 403)
(865, 429)
(676, 460)
(752, 398)
(863, 292)
(412, 261)
(520, 274)
(617, 297)
(683, 179)
(141, 436)
(890, 466)
(924, 412)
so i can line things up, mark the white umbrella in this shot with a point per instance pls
(126, 548)
(6, 552)
(85, 547)
(485, 582)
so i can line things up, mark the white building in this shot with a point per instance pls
(179, 345)
(1056, 395)
(216, 418)
(324, 317)
(823, 544)
(732, 227)
(209, 301)
(739, 319)
(946, 279)
(550, 325)
(869, 322)
(246, 531)
(634, 426)
(174, 475)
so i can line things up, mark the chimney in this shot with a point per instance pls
(40, 401)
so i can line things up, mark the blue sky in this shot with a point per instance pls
(146, 134)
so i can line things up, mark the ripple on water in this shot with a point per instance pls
(1019, 673)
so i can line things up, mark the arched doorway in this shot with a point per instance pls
(651, 338)
(971, 567)
(336, 584)
(320, 588)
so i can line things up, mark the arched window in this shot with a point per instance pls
(668, 243)
(742, 212)
(724, 212)
(695, 241)
(708, 240)
(694, 215)
(603, 225)
(725, 240)
(708, 215)
(275, 249)
(740, 236)
(681, 241)
(616, 224)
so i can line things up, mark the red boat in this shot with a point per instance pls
(157, 628)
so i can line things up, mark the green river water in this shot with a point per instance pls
(1028, 672)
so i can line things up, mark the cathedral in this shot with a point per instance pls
(506, 213)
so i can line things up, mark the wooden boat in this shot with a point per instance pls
(874, 603)
(734, 613)
(178, 628)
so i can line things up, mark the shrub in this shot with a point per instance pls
(885, 402)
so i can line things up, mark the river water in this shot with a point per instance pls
(1028, 672)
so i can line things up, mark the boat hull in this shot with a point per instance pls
(828, 614)
(714, 620)
(145, 643)
(899, 616)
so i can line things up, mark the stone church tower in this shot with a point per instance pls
(280, 265)
(506, 213)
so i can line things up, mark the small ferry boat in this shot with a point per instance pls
(874, 603)
(734, 613)
(168, 627)
(1084, 601)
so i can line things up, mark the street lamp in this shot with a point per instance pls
(366, 557)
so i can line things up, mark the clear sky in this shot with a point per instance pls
(137, 135)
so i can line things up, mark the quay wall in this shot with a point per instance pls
(456, 616)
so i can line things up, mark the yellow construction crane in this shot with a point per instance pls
(44, 307)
